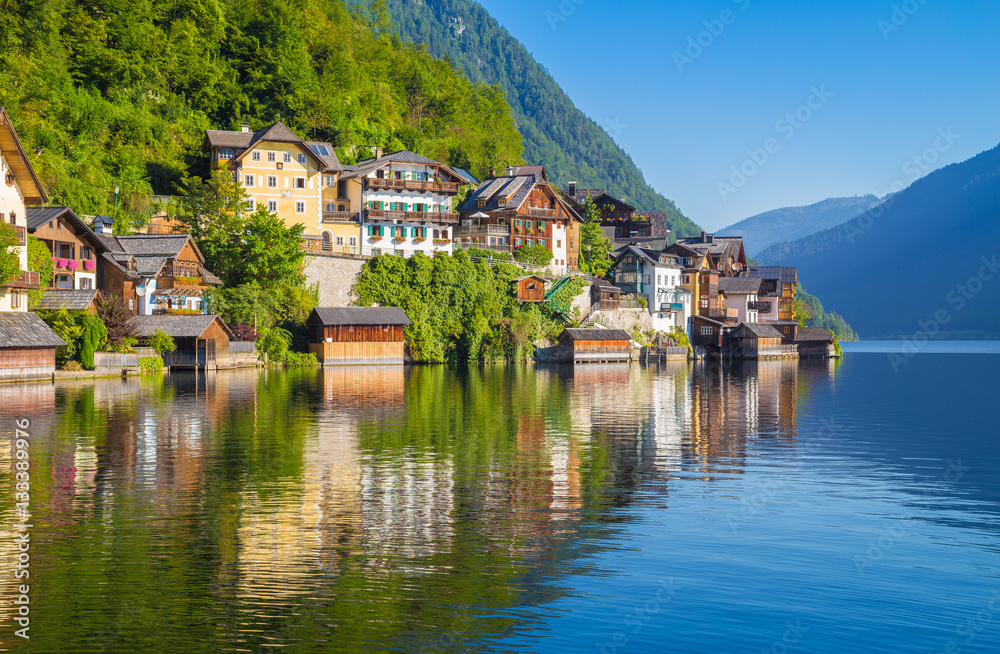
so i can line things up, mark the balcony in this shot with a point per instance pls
(317, 245)
(483, 230)
(340, 216)
(26, 279)
(672, 306)
(759, 306)
(412, 216)
(412, 185)
(545, 213)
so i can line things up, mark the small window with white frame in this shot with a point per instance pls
(706, 330)
(300, 182)
(225, 153)
(272, 206)
(251, 204)
(340, 240)
(302, 159)
(352, 240)
(300, 207)
(272, 181)
(286, 157)
(248, 180)
(255, 155)
(272, 157)
(331, 180)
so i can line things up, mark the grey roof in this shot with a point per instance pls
(651, 256)
(605, 285)
(582, 194)
(243, 142)
(66, 298)
(740, 285)
(609, 233)
(656, 243)
(812, 334)
(325, 152)
(762, 330)
(208, 276)
(596, 334)
(168, 245)
(218, 138)
(467, 177)
(515, 190)
(361, 316)
(785, 274)
(177, 326)
(22, 329)
(39, 216)
(367, 166)
(149, 266)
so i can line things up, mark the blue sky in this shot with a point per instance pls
(893, 78)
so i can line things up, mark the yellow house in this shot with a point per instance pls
(20, 189)
(295, 179)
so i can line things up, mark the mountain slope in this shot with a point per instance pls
(927, 259)
(556, 133)
(790, 223)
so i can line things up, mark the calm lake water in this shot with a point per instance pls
(849, 506)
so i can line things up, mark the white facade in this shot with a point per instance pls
(13, 212)
(664, 295)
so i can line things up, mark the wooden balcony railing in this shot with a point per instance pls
(412, 216)
(412, 185)
(317, 245)
(759, 305)
(340, 216)
(26, 279)
(537, 211)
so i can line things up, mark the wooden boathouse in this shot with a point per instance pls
(596, 345)
(27, 346)
(357, 335)
(202, 340)
(753, 340)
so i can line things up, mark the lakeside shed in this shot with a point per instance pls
(754, 340)
(202, 340)
(530, 288)
(814, 342)
(597, 345)
(27, 346)
(357, 335)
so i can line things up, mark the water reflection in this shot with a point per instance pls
(363, 507)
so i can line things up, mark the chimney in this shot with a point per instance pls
(510, 171)
(711, 238)
(493, 172)
(245, 127)
(572, 189)
(704, 236)
(103, 225)
(621, 198)
(378, 152)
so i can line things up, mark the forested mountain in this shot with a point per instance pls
(790, 223)
(111, 93)
(556, 133)
(927, 259)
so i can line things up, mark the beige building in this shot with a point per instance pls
(295, 179)
(19, 190)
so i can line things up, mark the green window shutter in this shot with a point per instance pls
(370, 230)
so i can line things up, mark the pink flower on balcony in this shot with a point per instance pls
(72, 265)
(88, 265)
(61, 263)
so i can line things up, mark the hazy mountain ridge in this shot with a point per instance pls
(925, 260)
(791, 223)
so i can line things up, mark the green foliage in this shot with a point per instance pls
(93, 336)
(300, 359)
(10, 262)
(150, 364)
(595, 247)
(461, 311)
(274, 342)
(120, 330)
(260, 307)
(556, 133)
(162, 342)
(66, 325)
(808, 311)
(39, 261)
(120, 94)
(71, 366)
(537, 255)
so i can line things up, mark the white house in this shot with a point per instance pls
(406, 202)
(20, 189)
(741, 294)
(656, 277)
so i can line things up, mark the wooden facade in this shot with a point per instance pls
(530, 289)
(753, 341)
(358, 335)
(597, 345)
(202, 341)
(27, 363)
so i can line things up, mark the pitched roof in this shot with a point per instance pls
(325, 152)
(761, 329)
(604, 285)
(655, 243)
(740, 285)
(27, 182)
(22, 329)
(596, 334)
(467, 177)
(514, 190)
(361, 316)
(177, 326)
(784, 274)
(368, 166)
(39, 216)
(243, 142)
(812, 334)
(67, 298)
(582, 194)
(218, 138)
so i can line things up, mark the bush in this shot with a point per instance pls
(150, 364)
(299, 359)
(72, 366)
(533, 254)
(93, 336)
(274, 343)
(162, 342)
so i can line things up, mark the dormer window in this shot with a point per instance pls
(502, 202)
(481, 204)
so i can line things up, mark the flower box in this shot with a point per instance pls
(400, 239)
(375, 239)
(62, 263)
(442, 241)
(72, 264)
(88, 265)
(419, 239)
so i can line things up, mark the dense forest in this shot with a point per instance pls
(113, 93)
(556, 133)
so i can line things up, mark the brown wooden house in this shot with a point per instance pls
(530, 288)
(202, 340)
(615, 213)
(27, 346)
(604, 294)
(597, 345)
(357, 335)
(75, 248)
(814, 342)
(709, 333)
(753, 341)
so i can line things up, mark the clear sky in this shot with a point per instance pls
(889, 75)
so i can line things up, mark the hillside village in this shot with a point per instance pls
(689, 297)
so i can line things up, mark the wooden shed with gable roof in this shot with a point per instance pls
(27, 346)
(597, 345)
(530, 288)
(357, 335)
(753, 340)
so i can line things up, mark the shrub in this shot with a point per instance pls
(299, 359)
(93, 336)
(118, 321)
(274, 343)
(162, 342)
(72, 366)
(534, 254)
(150, 364)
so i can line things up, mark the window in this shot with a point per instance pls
(302, 159)
(300, 182)
(86, 252)
(541, 225)
(330, 206)
(659, 280)
(300, 207)
(255, 155)
(272, 157)
(251, 204)
(66, 251)
(225, 153)
(272, 181)
(706, 330)
(444, 233)
(413, 232)
(331, 180)
(272, 206)
(517, 242)
(645, 279)
(131, 304)
(286, 157)
(558, 244)
(15, 300)
(686, 279)
(435, 233)
(352, 240)
(248, 180)
(527, 224)
(340, 241)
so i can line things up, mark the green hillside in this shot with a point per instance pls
(556, 133)
(116, 92)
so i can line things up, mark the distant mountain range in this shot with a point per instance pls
(557, 134)
(790, 223)
(925, 261)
